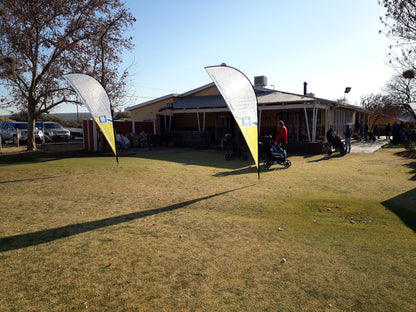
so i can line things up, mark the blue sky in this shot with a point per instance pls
(331, 44)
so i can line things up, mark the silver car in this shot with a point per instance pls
(8, 131)
(53, 130)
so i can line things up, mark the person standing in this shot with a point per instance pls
(348, 134)
(281, 136)
(388, 131)
(396, 133)
(376, 132)
(365, 132)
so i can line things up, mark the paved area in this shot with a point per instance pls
(368, 147)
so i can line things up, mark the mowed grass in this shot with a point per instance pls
(185, 230)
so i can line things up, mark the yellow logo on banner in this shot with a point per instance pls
(108, 131)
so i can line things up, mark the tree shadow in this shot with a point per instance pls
(412, 166)
(404, 206)
(45, 236)
(32, 179)
(197, 157)
(39, 156)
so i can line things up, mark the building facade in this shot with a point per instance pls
(203, 113)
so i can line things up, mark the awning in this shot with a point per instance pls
(197, 102)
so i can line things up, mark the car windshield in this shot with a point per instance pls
(20, 125)
(49, 125)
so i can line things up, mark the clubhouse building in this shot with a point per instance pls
(201, 118)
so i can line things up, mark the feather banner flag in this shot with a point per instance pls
(238, 93)
(95, 98)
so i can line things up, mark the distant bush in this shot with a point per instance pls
(72, 124)
(2, 118)
(20, 116)
(45, 117)
(122, 116)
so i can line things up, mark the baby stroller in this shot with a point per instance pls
(271, 153)
(237, 150)
(338, 146)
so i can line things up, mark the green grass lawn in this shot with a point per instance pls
(185, 230)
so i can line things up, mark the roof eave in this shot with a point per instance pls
(165, 97)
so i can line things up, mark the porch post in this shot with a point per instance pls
(203, 122)
(259, 121)
(314, 122)
(94, 136)
(326, 121)
(307, 123)
(199, 124)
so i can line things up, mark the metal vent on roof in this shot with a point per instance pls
(260, 81)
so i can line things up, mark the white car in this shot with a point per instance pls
(53, 130)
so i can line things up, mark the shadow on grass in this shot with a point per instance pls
(45, 236)
(29, 180)
(326, 157)
(190, 156)
(26, 157)
(186, 156)
(404, 206)
(246, 170)
(40, 156)
(412, 166)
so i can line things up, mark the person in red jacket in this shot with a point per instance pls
(281, 136)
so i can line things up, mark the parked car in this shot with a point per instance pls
(53, 130)
(76, 132)
(8, 131)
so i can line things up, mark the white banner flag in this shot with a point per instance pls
(95, 98)
(241, 99)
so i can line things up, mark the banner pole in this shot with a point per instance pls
(114, 131)
(258, 138)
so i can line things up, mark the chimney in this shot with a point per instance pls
(305, 88)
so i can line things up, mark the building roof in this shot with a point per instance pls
(265, 96)
(274, 96)
(165, 97)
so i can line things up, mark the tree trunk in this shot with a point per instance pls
(31, 143)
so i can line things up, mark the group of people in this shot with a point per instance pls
(132, 140)
(335, 140)
(398, 134)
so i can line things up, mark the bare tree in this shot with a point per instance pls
(380, 106)
(42, 40)
(400, 22)
(402, 92)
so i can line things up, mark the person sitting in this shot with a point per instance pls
(330, 136)
(123, 141)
